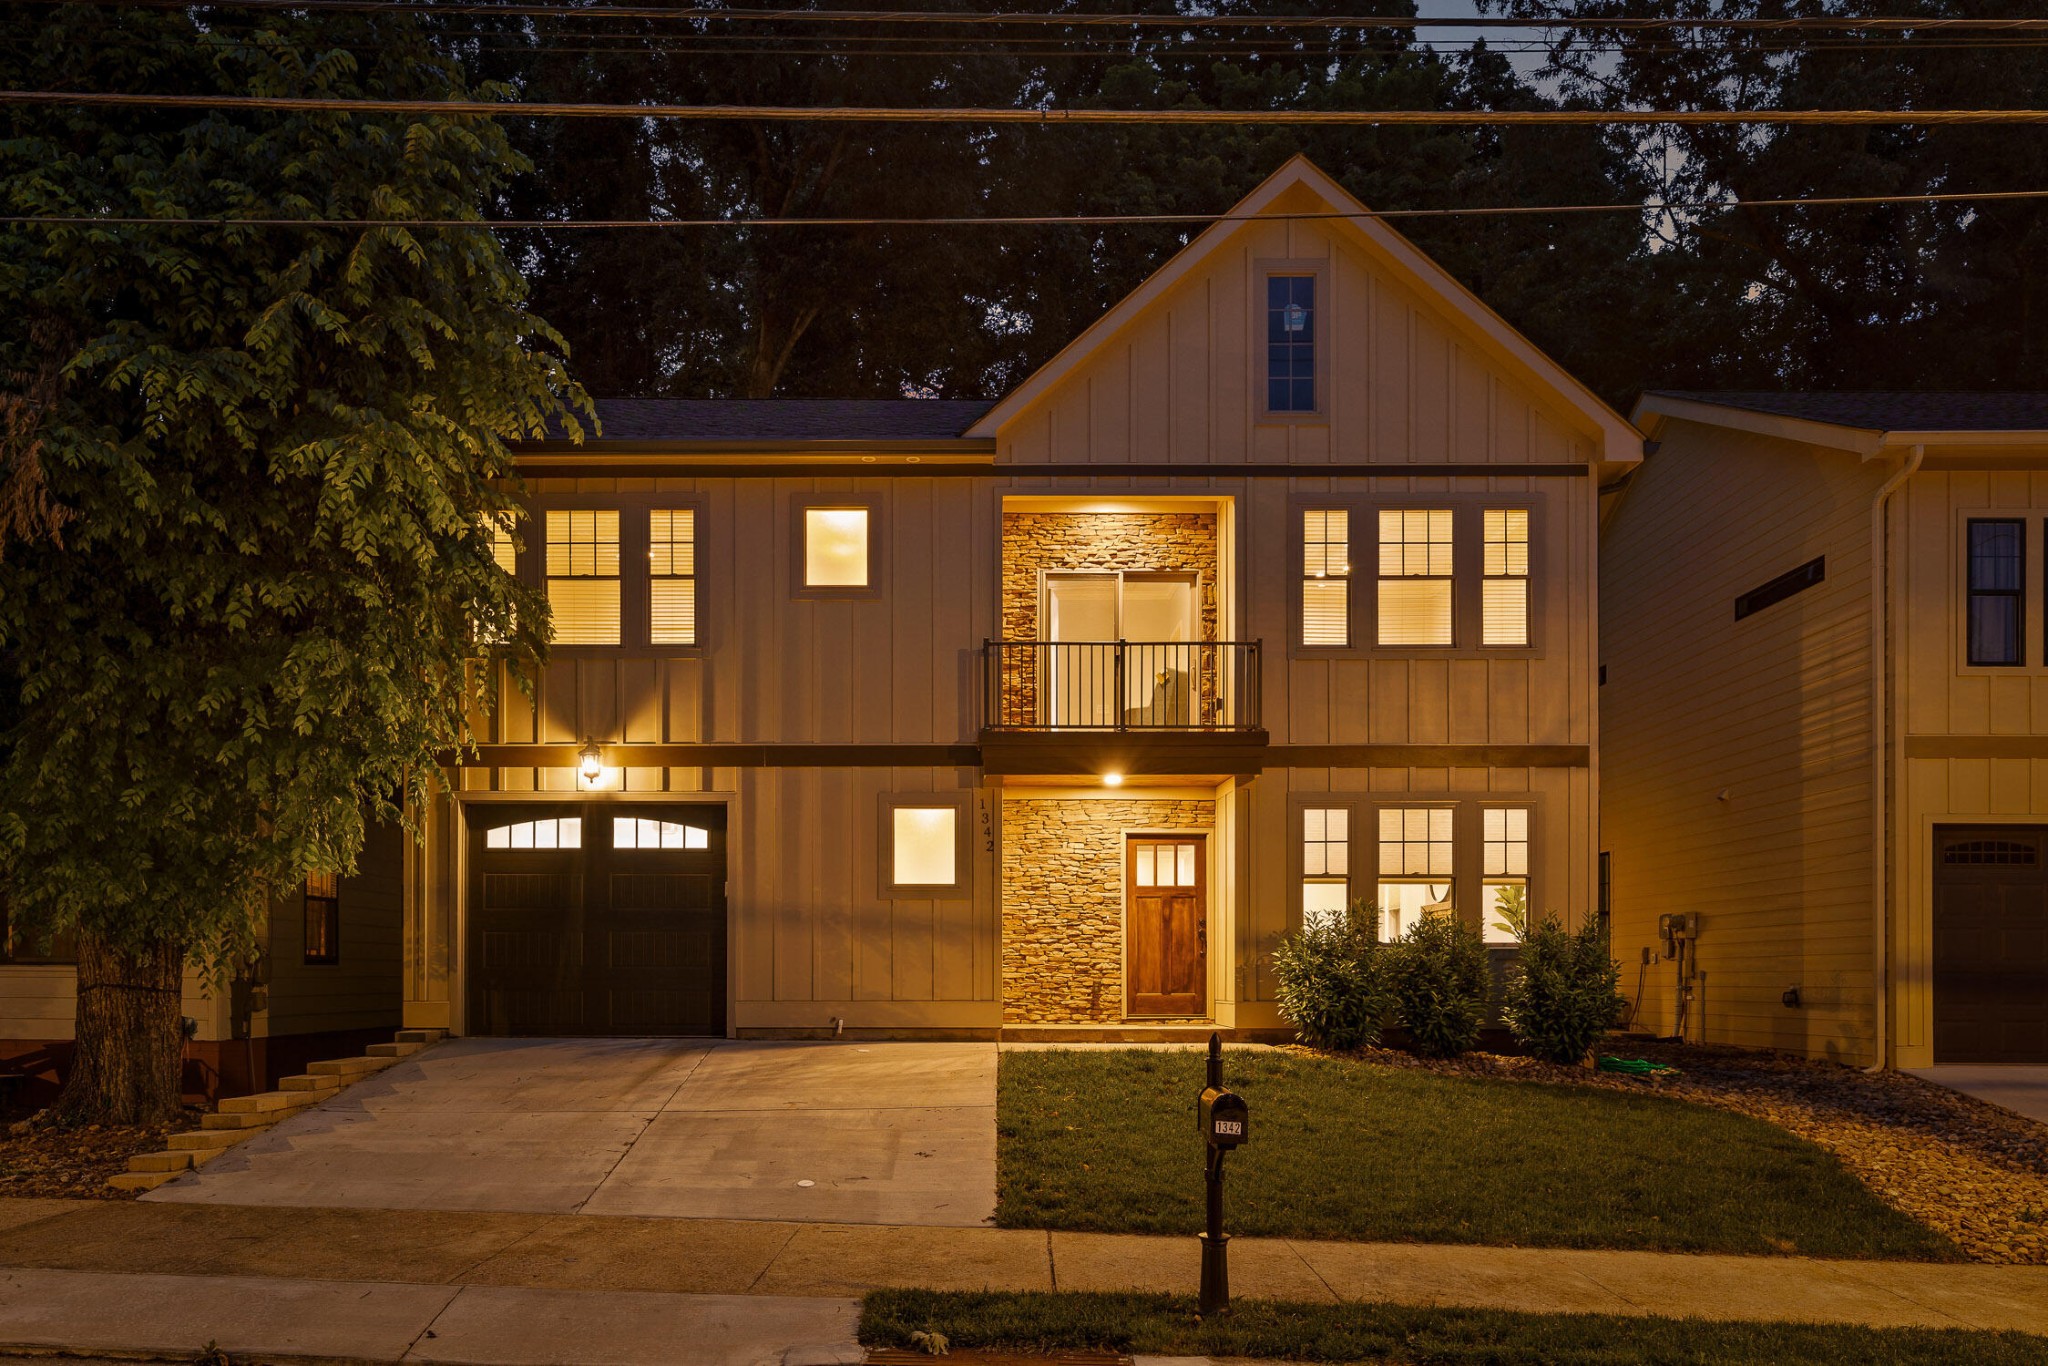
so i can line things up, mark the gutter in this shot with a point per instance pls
(1880, 752)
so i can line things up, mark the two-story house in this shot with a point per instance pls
(1825, 723)
(1274, 588)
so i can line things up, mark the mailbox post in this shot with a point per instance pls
(1225, 1124)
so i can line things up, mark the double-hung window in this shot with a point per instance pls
(1290, 343)
(1326, 577)
(583, 575)
(1997, 591)
(672, 576)
(1504, 871)
(1504, 590)
(1414, 605)
(1415, 866)
(1325, 865)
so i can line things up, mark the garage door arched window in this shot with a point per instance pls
(634, 833)
(557, 833)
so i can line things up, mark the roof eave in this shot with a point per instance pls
(1652, 411)
(609, 450)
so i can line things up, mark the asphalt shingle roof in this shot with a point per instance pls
(787, 419)
(1893, 412)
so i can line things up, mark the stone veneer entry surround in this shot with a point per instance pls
(1063, 901)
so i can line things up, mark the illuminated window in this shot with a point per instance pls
(1165, 863)
(563, 833)
(672, 576)
(504, 546)
(1325, 865)
(1290, 343)
(1505, 870)
(1415, 577)
(1415, 866)
(1326, 577)
(835, 547)
(633, 833)
(323, 918)
(925, 844)
(583, 576)
(1504, 608)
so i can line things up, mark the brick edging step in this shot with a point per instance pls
(241, 1117)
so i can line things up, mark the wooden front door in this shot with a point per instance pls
(1166, 925)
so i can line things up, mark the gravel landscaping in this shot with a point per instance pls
(1968, 1169)
(42, 1161)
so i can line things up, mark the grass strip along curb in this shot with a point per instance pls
(1167, 1325)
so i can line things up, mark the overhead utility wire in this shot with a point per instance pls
(749, 113)
(1032, 220)
(812, 16)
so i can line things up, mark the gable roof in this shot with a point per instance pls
(701, 420)
(1614, 438)
(1878, 411)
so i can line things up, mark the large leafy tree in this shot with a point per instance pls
(250, 476)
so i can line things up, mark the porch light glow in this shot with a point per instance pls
(1112, 780)
(590, 762)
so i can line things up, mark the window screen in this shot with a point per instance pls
(583, 576)
(1291, 343)
(672, 576)
(1997, 597)
(1326, 577)
(1415, 577)
(1504, 606)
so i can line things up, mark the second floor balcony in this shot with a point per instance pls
(1121, 685)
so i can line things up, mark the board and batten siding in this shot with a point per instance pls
(1945, 703)
(1178, 384)
(362, 991)
(1736, 757)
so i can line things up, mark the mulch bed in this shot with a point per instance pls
(40, 1160)
(1967, 1168)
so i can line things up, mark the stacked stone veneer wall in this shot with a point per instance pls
(1151, 542)
(1063, 889)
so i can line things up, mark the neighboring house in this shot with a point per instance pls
(326, 984)
(1843, 775)
(1273, 589)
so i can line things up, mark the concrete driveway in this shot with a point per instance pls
(2021, 1088)
(881, 1133)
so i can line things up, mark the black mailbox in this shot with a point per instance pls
(1225, 1120)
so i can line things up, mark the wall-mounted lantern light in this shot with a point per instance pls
(1294, 318)
(590, 763)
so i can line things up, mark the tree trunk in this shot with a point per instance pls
(128, 1062)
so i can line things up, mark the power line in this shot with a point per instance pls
(731, 113)
(1652, 206)
(430, 8)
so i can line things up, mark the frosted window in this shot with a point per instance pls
(565, 833)
(1504, 604)
(835, 547)
(1158, 863)
(926, 848)
(672, 576)
(633, 833)
(583, 576)
(1326, 578)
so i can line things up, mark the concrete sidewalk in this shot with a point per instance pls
(701, 1257)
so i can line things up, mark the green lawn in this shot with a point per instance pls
(1167, 1325)
(1105, 1140)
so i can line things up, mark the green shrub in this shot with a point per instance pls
(1333, 981)
(1439, 982)
(1563, 991)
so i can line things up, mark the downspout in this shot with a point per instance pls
(1880, 754)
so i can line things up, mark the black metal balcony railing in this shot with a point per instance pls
(1121, 685)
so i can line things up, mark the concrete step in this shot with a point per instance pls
(139, 1181)
(211, 1140)
(306, 1081)
(349, 1068)
(261, 1103)
(422, 1035)
(231, 1121)
(393, 1050)
(201, 1156)
(175, 1161)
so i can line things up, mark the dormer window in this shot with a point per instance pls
(1290, 343)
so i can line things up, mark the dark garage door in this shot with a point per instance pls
(1991, 943)
(594, 918)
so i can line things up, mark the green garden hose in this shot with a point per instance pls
(1634, 1067)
